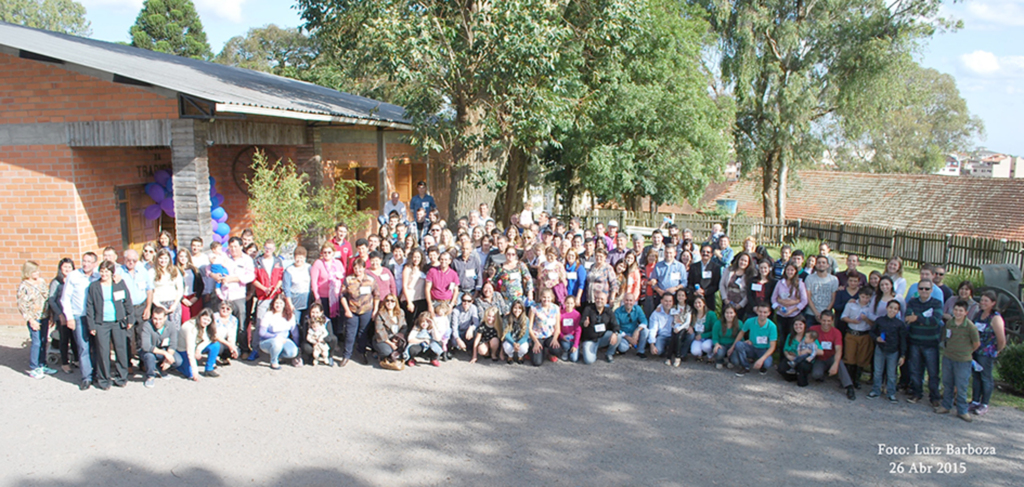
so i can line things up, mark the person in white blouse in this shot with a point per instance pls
(168, 288)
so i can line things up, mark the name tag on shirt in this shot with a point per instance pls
(599, 328)
(699, 328)
(553, 275)
(949, 333)
(927, 313)
(756, 287)
(420, 275)
(364, 290)
(705, 275)
(673, 312)
(567, 322)
(515, 276)
(826, 345)
(588, 265)
(762, 340)
(385, 277)
(471, 273)
(426, 205)
(629, 281)
(165, 342)
(675, 276)
(339, 275)
(570, 276)
(118, 295)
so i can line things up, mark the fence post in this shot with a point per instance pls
(842, 231)
(920, 253)
(1002, 251)
(799, 224)
(892, 244)
(949, 250)
(622, 220)
(728, 226)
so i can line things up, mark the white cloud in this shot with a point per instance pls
(226, 9)
(980, 62)
(1008, 13)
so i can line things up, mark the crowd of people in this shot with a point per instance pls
(539, 289)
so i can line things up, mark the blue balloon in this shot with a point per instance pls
(223, 229)
(212, 181)
(217, 213)
(219, 199)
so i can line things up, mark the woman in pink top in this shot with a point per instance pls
(442, 282)
(326, 276)
(789, 298)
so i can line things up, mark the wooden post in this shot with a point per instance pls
(382, 171)
(190, 163)
(949, 250)
(892, 243)
(842, 232)
(799, 224)
(1002, 251)
(728, 226)
(920, 253)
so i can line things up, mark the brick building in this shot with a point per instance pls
(86, 123)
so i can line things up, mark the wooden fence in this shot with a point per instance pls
(915, 248)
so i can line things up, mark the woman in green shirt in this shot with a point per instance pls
(704, 321)
(723, 334)
(789, 352)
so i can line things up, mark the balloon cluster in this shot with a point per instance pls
(162, 193)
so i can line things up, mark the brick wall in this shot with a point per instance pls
(36, 92)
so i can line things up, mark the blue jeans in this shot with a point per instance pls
(589, 348)
(746, 354)
(719, 356)
(641, 343)
(37, 355)
(355, 333)
(82, 338)
(279, 348)
(149, 360)
(212, 351)
(955, 375)
(885, 363)
(921, 358)
(662, 343)
(983, 384)
(567, 354)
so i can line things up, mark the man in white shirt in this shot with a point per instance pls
(396, 205)
(199, 258)
(76, 288)
(240, 273)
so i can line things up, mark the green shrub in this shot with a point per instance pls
(1011, 366)
(953, 279)
(808, 246)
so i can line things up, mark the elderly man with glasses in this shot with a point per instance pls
(924, 322)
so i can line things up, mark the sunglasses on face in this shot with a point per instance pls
(924, 289)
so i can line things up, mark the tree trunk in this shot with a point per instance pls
(780, 185)
(509, 199)
(768, 184)
(466, 191)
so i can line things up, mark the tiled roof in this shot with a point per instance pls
(979, 207)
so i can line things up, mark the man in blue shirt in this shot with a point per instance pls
(632, 326)
(669, 275)
(73, 302)
(140, 288)
(422, 199)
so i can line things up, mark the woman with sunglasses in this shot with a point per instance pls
(389, 334)
(513, 278)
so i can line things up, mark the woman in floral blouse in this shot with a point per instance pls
(32, 297)
(513, 278)
(601, 278)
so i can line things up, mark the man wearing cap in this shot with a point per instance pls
(609, 236)
(422, 199)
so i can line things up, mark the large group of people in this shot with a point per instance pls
(425, 290)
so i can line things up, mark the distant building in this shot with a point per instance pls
(952, 167)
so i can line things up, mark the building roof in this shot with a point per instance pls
(234, 90)
(980, 207)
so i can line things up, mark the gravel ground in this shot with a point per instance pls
(628, 423)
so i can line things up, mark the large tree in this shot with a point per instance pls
(793, 65)
(469, 73)
(907, 122)
(645, 125)
(65, 16)
(271, 49)
(170, 26)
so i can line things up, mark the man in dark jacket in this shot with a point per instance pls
(159, 343)
(110, 311)
(703, 276)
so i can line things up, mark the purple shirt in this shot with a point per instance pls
(441, 282)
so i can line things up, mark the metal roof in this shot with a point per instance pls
(234, 90)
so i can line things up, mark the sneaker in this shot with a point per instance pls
(435, 363)
(668, 362)
(66, 369)
(742, 372)
(166, 375)
(253, 356)
(913, 400)
(981, 410)
(297, 362)
(275, 366)
(36, 373)
(676, 361)
(553, 359)
(873, 394)
(850, 394)
(48, 371)
(965, 417)
(728, 365)
(411, 363)
(892, 398)
(718, 366)
(150, 383)
(941, 410)
(609, 358)
(85, 385)
(565, 357)
(641, 355)
(330, 362)
(210, 373)
(763, 370)
(936, 404)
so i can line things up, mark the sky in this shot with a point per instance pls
(986, 57)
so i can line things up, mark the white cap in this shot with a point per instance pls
(613, 223)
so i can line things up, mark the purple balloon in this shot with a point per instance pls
(156, 192)
(152, 212)
(222, 219)
(213, 224)
(217, 238)
(167, 205)
(219, 199)
(161, 177)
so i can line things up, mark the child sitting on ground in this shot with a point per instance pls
(423, 341)
(316, 335)
(443, 326)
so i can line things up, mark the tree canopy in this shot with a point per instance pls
(65, 16)
(271, 49)
(170, 26)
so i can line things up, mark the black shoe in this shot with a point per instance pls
(856, 385)
(447, 356)
(120, 384)
(641, 355)
(850, 394)
(85, 385)
(103, 387)
(211, 374)
(343, 362)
